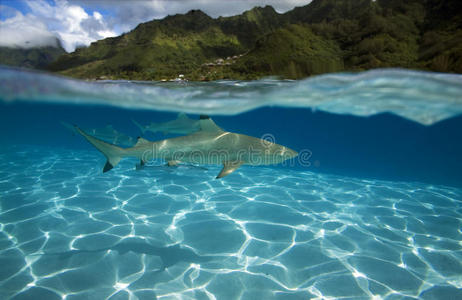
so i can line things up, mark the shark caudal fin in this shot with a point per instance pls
(141, 127)
(113, 153)
(69, 126)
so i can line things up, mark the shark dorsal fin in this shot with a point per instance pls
(141, 141)
(207, 124)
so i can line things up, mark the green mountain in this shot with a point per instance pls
(34, 58)
(323, 36)
(292, 51)
(178, 44)
(441, 38)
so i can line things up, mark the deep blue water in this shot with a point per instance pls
(382, 146)
(373, 211)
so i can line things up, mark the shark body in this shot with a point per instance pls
(107, 134)
(181, 125)
(169, 255)
(209, 145)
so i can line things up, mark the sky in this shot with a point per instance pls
(76, 23)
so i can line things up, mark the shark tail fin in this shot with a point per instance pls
(113, 153)
(141, 127)
(69, 126)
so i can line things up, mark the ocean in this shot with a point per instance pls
(371, 208)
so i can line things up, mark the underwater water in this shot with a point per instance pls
(370, 209)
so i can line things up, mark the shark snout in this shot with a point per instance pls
(288, 153)
(291, 153)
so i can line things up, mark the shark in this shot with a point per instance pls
(181, 125)
(169, 255)
(210, 145)
(108, 134)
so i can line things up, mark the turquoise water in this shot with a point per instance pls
(371, 208)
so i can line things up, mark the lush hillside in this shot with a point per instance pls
(323, 36)
(370, 34)
(441, 41)
(178, 44)
(291, 51)
(35, 58)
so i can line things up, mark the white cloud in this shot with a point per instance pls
(97, 16)
(70, 23)
(20, 31)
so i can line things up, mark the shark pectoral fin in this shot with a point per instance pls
(140, 166)
(229, 167)
(172, 163)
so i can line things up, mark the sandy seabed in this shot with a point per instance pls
(70, 232)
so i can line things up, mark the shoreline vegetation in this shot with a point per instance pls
(322, 37)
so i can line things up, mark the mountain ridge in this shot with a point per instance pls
(33, 57)
(323, 36)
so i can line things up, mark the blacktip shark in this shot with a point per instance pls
(181, 125)
(107, 134)
(210, 145)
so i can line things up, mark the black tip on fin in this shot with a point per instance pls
(107, 167)
(204, 117)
